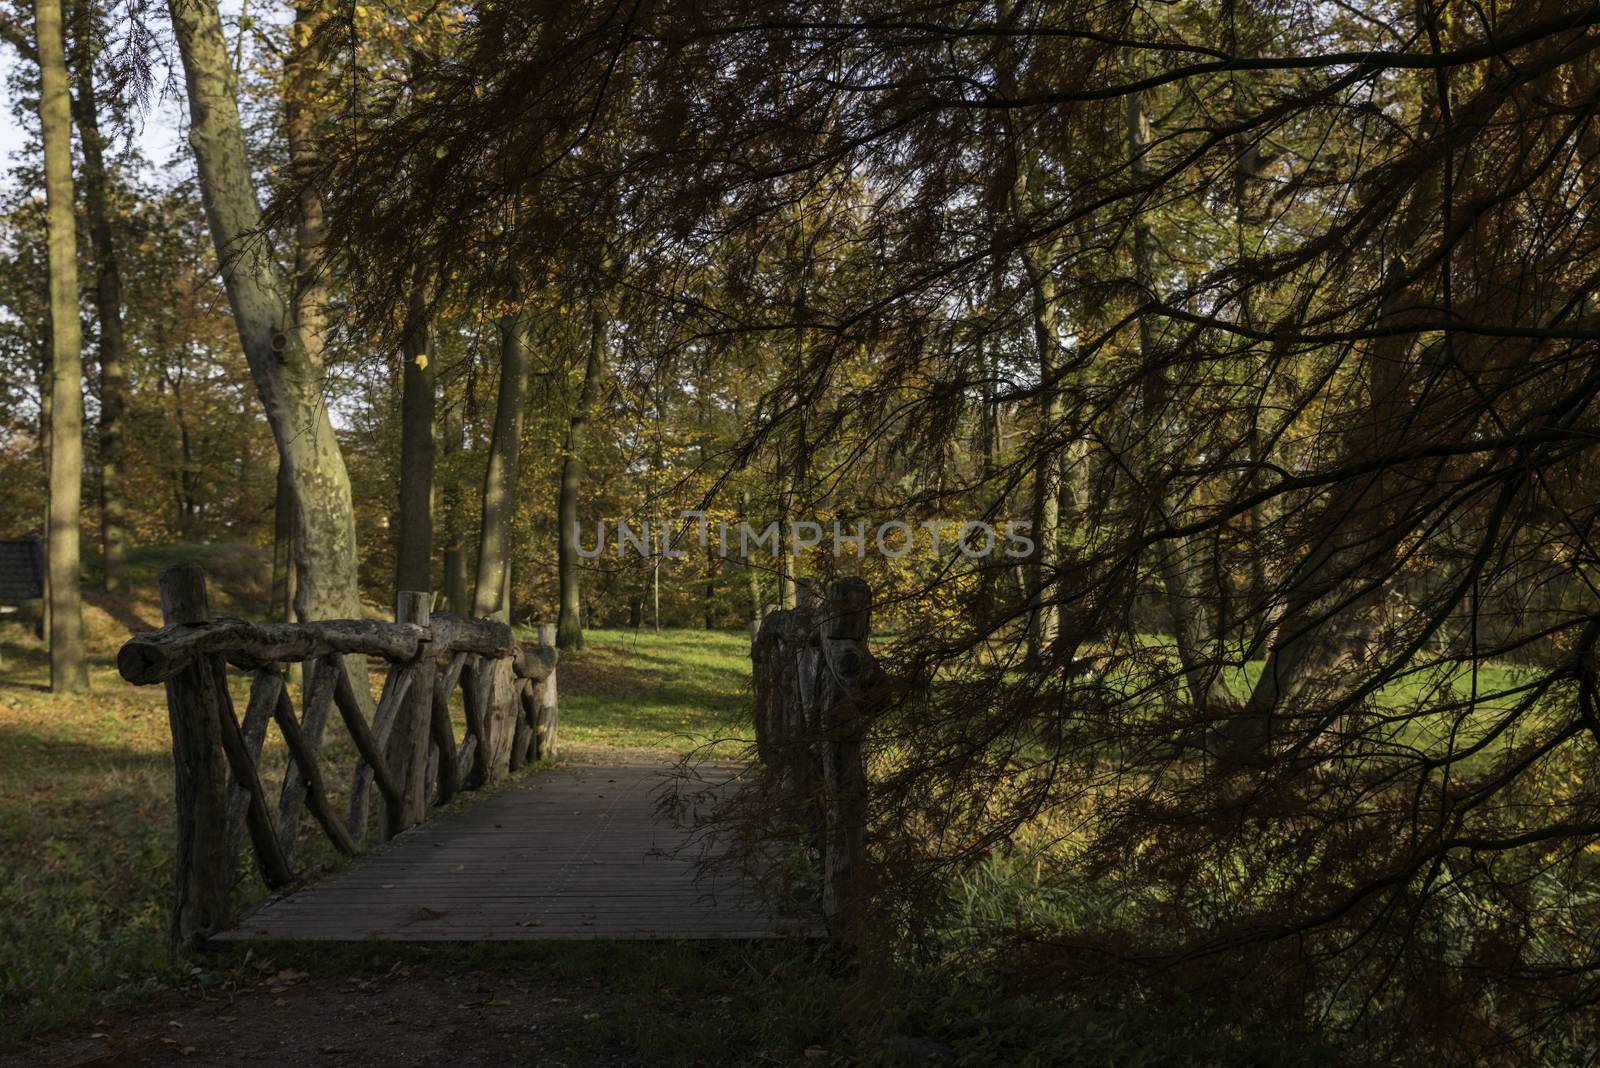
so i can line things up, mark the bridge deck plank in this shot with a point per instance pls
(576, 852)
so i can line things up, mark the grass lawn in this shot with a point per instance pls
(682, 690)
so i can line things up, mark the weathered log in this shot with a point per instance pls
(535, 661)
(318, 702)
(816, 686)
(407, 748)
(851, 682)
(396, 684)
(257, 713)
(371, 766)
(430, 775)
(500, 717)
(527, 716)
(475, 691)
(783, 670)
(303, 751)
(155, 657)
(847, 613)
(203, 879)
(444, 735)
(463, 634)
(544, 691)
(270, 859)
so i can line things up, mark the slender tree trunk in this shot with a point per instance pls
(753, 577)
(414, 554)
(303, 84)
(108, 304)
(46, 388)
(500, 476)
(786, 561)
(68, 673)
(455, 557)
(569, 626)
(1043, 615)
(283, 526)
(1334, 601)
(1194, 630)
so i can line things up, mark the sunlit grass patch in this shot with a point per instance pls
(677, 689)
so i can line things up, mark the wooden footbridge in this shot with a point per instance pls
(577, 851)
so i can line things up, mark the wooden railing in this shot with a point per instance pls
(405, 741)
(816, 687)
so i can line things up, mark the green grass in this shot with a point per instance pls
(86, 845)
(681, 690)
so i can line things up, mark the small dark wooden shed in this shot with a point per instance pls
(21, 571)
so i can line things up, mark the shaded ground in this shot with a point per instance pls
(463, 1006)
(364, 1008)
(473, 1018)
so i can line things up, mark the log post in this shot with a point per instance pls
(407, 752)
(475, 697)
(850, 676)
(815, 686)
(500, 720)
(544, 730)
(203, 881)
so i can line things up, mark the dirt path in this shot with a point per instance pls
(404, 1016)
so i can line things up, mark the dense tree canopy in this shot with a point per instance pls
(1270, 323)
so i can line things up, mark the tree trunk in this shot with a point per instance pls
(287, 376)
(1194, 629)
(569, 626)
(1043, 616)
(303, 77)
(283, 526)
(752, 575)
(108, 305)
(500, 476)
(414, 554)
(68, 673)
(786, 561)
(455, 557)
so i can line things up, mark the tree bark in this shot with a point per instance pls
(1193, 626)
(569, 625)
(455, 557)
(753, 577)
(414, 553)
(108, 305)
(500, 476)
(1043, 615)
(283, 526)
(68, 673)
(303, 77)
(285, 369)
(786, 560)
